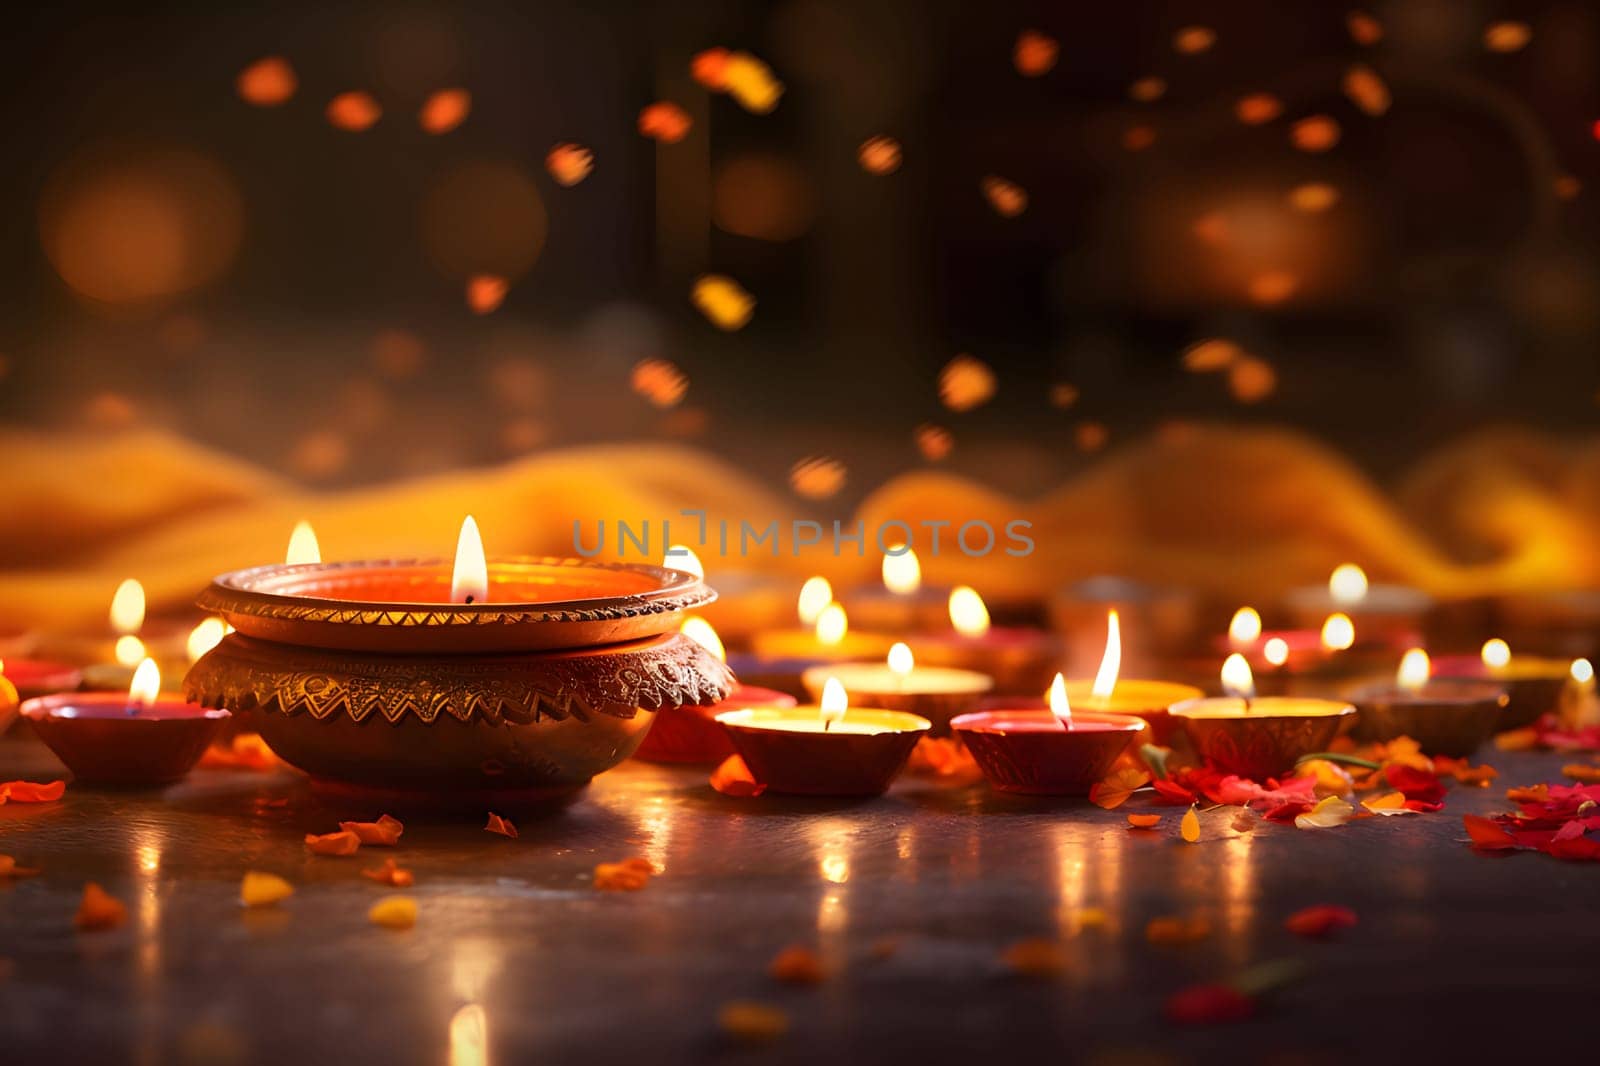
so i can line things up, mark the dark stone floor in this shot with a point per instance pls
(1458, 957)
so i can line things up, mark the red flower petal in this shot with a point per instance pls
(1416, 784)
(31, 792)
(1208, 1005)
(384, 833)
(733, 778)
(1173, 793)
(1486, 834)
(1319, 921)
(503, 826)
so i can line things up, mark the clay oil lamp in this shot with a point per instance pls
(131, 739)
(1533, 683)
(1021, 659)
(1444, 717)
(902, 603)
(1059, 752)
(1108, 693)
(824, 749)
(777, 658)
(691, 734)
(1388, 615)
(478, 685)
(937, 693)
(1256, 737)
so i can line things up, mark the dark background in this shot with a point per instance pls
(1450, 289)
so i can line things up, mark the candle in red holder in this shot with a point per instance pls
(691, 734)
(825, 749)
(1533, 683)
(130, 739)
(1021, 659)
(1257, 738)
(1109, 694)
(1047, 753)
(1444, 717)
(937, 693)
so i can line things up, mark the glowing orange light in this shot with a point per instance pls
(1035, 53)
(832, 625)
(1252, 380)
(1209, 355)
(146, 684)
(1496, 654)
(469, 581)
(1507, 36)
(710, 69)
(486, 292)
(1237, 678)
(1313, 197)
(1063, 395)
(128, 650)
(1138, 138)
(127, 607)
(659, 382)
(1257, 108)
(966, 383)
(902, 573)
(879, 155)
(354, 111)
(835, 701)
(1091, 436)
(682, 557)
(1413, 672)
(1272, 287)
(1057, 698)
(723, 301)
(817, 477)
(1348, 583)
(665, 121)
(900, 660)
(444, 110)
(1245, 628)
(1192, 40)
(1567, 187)
(1275, 651)
(1363, 28)
(704, 634)
(1338, 632)
(1366, 89)
(1006, 197)
(569, 163)
(1315, 133)
(751, 83)
(934, 442)
(303, 546)
(321, 453)
(1212, 228)
(1105, 679)
(815, 595)
(1148, 90)
(267, 82)
(969, 615)
(205, 636)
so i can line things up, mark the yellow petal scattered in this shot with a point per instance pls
(394, 912)
(1390, 803)
(261, 890)
(1190, 826)
(1328, 814)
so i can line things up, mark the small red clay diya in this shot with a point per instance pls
(1020, 659)
(937, 693)
(1533, 683)
(130, 739)
(691, 734)
(1058, 752)
(1444, 717)
(826, 749)
(1255, 737)
(483, 685)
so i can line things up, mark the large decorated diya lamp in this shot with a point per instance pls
(1444, 716)
(1533, 683)
(691, 734)
(130, 739)
(777, 658)
(1257, 737)
(482, 685)
(1059, 752)
(1109, 693)
(1021, 659)
(900, 683)
(901, 603)
(824, 749)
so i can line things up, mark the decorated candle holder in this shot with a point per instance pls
(1444, 717)
(932, 692)
(1260, 738)
(788, 751)
(106, 741)
(366, 676)
(692, 734)
(1034, 753)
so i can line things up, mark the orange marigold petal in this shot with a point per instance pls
(1190, 826)
(733, 778)
(1035, 957)
(624, 876)
(384, 833)
(340, 843)
(259, 889)
(394, 912)
(1177, 929)
(1144, 821)
(33, 791)
(1319, 921)
(503, 826)
(9, 868)
(99, 909)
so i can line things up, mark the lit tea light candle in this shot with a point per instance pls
(303, 546)
(1444, 716)
(1280, 655)
(778, 657)
(1020, 659)
(469, 579)
(1578, 707)
(901, 603)
(134, 738)
(1055, 752)
(1381, 613)
(900, 683)
(1338, 632)
(824, 749)
(134, 641)
(1533, 683)
(1108, 693)
(127, 618)
(1244, 630)
(1257, 736)
(691, 734)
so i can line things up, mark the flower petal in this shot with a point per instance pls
(1328, 814)
(1319, 921)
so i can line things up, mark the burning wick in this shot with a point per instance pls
(1237, 680)
(145, 687)
(901, 663)
(470, 580)
(303, 546)
(835, 701)
(1412, 677)
(1058, 703)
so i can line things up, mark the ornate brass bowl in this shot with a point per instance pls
(423, 702)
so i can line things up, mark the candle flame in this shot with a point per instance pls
(902, 574)
(469, 583)
(682, 557)
(1105, 680)
(901, 660)
(1237, 680)
(205, 636)
(146, 684)
(815, 595)
(832, 625)
(469, 1036)
(1496, 654)
(1347, 584)
(127, 607)
(835, 701)
(1582, 671)
(704, 634)
(1245, 627)
(303, 546)
(1058, 702)
(1414, 670)
(1338, 632)
(968, 613)
(129, 650)
(1275, 651)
